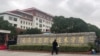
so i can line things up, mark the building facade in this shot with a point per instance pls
(29, 18)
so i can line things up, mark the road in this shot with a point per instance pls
(20, 53)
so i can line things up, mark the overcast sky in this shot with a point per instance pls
(88, 10)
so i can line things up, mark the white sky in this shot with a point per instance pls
(88, 10)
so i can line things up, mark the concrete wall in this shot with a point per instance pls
(75, 39)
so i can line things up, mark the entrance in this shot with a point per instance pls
(3, 39)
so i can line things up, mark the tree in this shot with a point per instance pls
(5, 25)
(78, 25)
(63, 25)
(93, 28)
(58, 24)
(32, 31)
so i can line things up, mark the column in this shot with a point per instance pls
(6, 39)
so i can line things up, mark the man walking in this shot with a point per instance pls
(55, 47)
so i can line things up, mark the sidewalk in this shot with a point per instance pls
(16, 53)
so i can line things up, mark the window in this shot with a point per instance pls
(21, 27)
(40, 25)
(40, 20)
(26, 23)
(24, 27)
(29, 23)
(15, 19)
(10, 18)
(21, 22)
(36, 18)
(15, 25)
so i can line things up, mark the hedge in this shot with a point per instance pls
(49, 48)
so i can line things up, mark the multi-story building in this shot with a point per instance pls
(29, 18)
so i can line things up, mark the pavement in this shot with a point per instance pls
(20, 53)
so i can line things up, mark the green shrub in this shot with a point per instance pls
(49, 48)
(74, 48)
(92, 46)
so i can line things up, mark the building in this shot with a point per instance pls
(29, 18)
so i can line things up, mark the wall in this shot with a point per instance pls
(63, 39)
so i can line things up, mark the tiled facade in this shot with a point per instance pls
(29, 18)
(70, 39)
